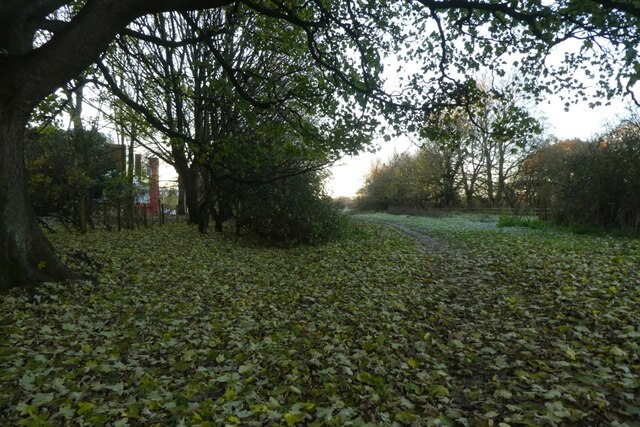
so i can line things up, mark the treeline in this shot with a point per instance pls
(82, 176)
(249, 126)
(470, 156)
(594, 182)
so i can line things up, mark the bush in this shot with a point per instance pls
(64, 166)
(291, 211)
(589, 184)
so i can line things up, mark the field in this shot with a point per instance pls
(472, 325)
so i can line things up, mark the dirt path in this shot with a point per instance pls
(429, 243)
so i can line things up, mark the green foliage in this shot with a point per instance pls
(64, 166)
(408, 180)
(370, 328)
(593, 184)
(469, 154)
(292, 210)
(236, 157)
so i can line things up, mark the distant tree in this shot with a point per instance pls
(411, 180)
(483, 142)
(374, 194)
(596, 182)
(446, 132)
(431, 177)
(545, 172)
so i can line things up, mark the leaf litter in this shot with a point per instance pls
(184, 329)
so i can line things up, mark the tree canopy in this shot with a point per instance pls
(45, 43)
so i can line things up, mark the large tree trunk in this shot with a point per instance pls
(489, 176)
(193, 195)
(500, 194)
(27, 76)
(26, 256)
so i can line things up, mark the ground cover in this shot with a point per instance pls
(501, 327)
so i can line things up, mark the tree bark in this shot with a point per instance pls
(192, 198)
(180, 208)
(76, 99)
(489, 173)
(188, 178)
(205, 214)
(27, 76)
(501, 175)
(26, 256)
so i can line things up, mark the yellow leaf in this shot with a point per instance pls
(230, 393)
(293, 419)
(571, 354)
(260, 407)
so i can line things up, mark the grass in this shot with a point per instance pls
(513, 326)
(538, 224)
(522, 221)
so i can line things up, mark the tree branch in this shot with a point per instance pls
(148, 115)
(229, 71)
(171, 43)
(79, 44)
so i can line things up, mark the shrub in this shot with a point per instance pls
(291, 211)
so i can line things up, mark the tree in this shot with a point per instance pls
(27, 76)
(544, 172)
(593, 183)
(207, 101)
(446, 132)
(407, 180)
(66, 166)
(373, 195)
(488, 137)
(40, 54)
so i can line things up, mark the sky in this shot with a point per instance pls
(579, 122)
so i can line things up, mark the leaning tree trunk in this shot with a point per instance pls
(26, 256)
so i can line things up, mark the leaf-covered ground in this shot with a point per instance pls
(504, 326)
